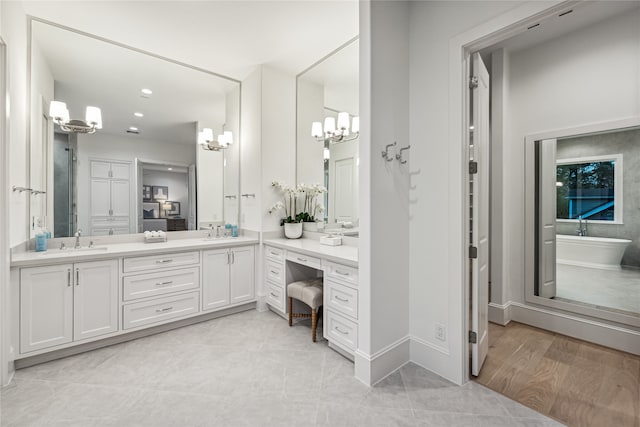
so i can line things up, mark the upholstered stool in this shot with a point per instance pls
(310, 293)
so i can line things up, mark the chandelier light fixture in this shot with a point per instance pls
(207, 142)
(60, 114)
(340, 133)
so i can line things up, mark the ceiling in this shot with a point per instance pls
(228, 37)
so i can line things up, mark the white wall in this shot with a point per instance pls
(309, 152)
(232, 158)
(122, 148)
(436, 262)
(384, 238)
(588, 76)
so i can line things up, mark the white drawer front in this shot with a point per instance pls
(275, 296)
(274, 271)
(343, 273)
(159, 310)
(275, 254)
(341, 330)
(341, 298)
(307, 260)
(154, 284)
(160, 261)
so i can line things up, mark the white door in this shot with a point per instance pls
(100, 197)
(120, 198)
(242, 275)
(479, 150)
(46, 307)
(547, 219)
(95, 299)
(120, 171)
(215, 278)
(100, 169)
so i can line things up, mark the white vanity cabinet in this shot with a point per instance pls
(68, 302)
(227, 277)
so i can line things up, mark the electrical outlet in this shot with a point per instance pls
(441, 332)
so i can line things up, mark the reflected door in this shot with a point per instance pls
(547, 207)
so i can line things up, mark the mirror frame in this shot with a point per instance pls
(298, 76)
(30, 20)
(529, 223)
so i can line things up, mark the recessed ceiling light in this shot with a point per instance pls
(146, 91)
(133, 128)
(138, 114)
(169, 169)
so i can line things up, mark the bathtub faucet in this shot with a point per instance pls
(582, 226)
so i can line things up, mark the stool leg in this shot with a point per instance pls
(290, 311)
(314, 324)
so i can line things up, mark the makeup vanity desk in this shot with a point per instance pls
(289, 260)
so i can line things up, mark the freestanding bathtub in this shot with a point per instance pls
(594, 252)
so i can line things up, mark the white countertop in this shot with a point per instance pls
(57, 256)
(343, 254)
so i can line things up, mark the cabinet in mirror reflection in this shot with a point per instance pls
(325, 90)
(152, 109)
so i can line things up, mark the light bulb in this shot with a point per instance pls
(343, 121)
(228, 136)
(207, 134)
(316, 130)
(355, 125)
(57, 109)
(94, 116)
(329, 125)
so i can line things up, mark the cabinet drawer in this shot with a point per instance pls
(341, 330)
(153, 284)
(274, 271)
(275, 254)
(159, 310)
(340, 298)
(110, 221)
(307, 260)
(160, 261)
(275, 296)
(343, 273)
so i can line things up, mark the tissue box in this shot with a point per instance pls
(331, 240)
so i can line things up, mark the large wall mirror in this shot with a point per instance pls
(148, 165)
(329, 90)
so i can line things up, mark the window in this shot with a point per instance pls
(590, 188)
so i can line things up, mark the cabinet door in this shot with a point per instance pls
(100, 197)
(120, 170)
(95, 299)
(100, 169)
(46, 307)
(120, 198)
(215, 279)
(242, 274)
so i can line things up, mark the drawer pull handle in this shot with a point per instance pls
(273, 295)
(163, 310)
(274, 272)
(341, 299)
(302, 259)
(341, 331)
(163, 261)
(164, 283)
(275, 253)
(341, 273)
(68, 277)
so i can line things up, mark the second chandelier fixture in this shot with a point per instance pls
(342, 133)
(207, 142)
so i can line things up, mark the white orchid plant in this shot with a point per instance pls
(300, 204)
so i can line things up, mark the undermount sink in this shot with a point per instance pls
(71, 251)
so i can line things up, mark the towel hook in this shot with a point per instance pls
(385, 153)
(399, 155)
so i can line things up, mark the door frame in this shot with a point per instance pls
(498, 29)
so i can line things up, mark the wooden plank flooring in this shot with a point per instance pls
(572, 381)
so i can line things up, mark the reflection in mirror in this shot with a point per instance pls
(114, 139)
(327, 134)
(588, 219)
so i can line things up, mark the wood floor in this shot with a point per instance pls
(572, 381)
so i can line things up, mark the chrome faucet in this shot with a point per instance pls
(78, 234)
(582, 226)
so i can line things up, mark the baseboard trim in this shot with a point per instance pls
(371, 369)
(500, 313)
(613, 336)
(435, 359)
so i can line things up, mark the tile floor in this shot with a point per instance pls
(248, 369)
(618, 290)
